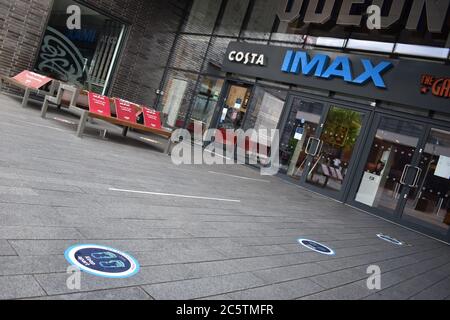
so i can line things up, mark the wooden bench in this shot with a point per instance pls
(53, 86)
(69, 96)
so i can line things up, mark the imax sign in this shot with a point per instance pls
(321, 66)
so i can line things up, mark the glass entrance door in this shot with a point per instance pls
(427, 200)
(389, 166)
(319, 143)
(300, 136)
(330, 165)
(406, 175)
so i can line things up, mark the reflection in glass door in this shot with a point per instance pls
(428, 198)
(389, 168)
(300, 136)
(331, 163)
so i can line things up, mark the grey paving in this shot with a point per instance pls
(55, 192)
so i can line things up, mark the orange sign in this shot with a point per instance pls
(439, 87)
(31, 79)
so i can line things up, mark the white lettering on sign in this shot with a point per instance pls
(247, 58)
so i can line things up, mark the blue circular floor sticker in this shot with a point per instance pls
(390, 239)
(316, 246)
(102, 261)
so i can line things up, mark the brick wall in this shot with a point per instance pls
(21, 26)
(152, 27)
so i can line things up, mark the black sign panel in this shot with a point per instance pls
(373, 77)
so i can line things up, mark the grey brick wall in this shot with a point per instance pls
(22, 23)
(152, 27)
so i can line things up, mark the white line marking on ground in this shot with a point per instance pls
(239, 177)
(172, 195)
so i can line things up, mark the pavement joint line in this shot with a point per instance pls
(430, 286)
(145, 292)
(378, 291)
(173, 195)
(39, 284)
(38, 125)
(407, 279)
(238, 177)
(84, 292)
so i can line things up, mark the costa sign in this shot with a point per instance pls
(246, 57)
(352, 12)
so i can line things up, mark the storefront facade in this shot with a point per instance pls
(363, 112)
(366, 123)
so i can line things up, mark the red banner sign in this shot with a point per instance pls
(126, 110)
(99, 104)
(31, 79)
(152, 118)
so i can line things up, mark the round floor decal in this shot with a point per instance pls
(315, 246)
(102, 261)
(390, 239)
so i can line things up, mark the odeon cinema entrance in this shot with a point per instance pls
(365, 130)
(320, 144)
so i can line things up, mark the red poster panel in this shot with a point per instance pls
(126, 110)
(99, 104)
(32, 80)
(152, 118)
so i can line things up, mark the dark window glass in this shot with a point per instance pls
(178, 92)
(84, 53)
(205, 103)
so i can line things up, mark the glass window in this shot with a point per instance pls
(264, 114)
(178, 92)
(233, 17)
(340, 134)
(79, 51)
(202, 16)
(428, 199)
(387, 166)
(189, 52)
(262, 17)
(265, 108)
(205, 102)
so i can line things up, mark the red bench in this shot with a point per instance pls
(76, 101)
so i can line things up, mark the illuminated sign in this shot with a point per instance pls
(321, 66)
(102, 261)
(247, 58)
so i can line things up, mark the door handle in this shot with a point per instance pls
(405, 170)
(416, 178)
(318, 147)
